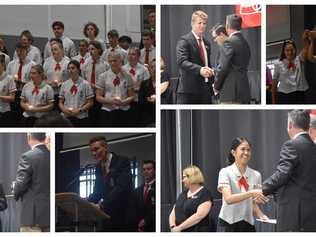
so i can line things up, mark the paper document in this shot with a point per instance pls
(272, 221)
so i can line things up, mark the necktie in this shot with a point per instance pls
(132, 72)
(146, 191)
(73, 89)
(201, 51)
(35, 90)
(147, 57)
(20, 72)
(116, 81)
(92, 79)
(57, 67)
(291, 66)
(104, 171)
(82, 61)
(243, 182)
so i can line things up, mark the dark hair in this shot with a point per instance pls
(113, 33)
(58, 23)
(76, 63)
(300, 118)
(57, 41)
(28, 35)
(96, 28)
(125, 38)
(2, 60)
(136, 49)
(145, 162)
(235, 144)
(218, 29)
(38, 136)
(285, 43)
(19, 45)
(101, 139)
(84, 41)
(52, 119)
(97, 45)
(147, 33)
(234, 22)
(4, 50)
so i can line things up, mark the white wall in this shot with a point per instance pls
(38, 19)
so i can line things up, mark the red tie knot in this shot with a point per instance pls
(35, 90)
(82, 61)
(116, 81)
(291, 66)
(57, 67)
(243, 182)
(73, 89)
(132, 71)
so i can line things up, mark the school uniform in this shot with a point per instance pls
(99, 40)
(238, 216)
(117, 49)
(33, 54)
(114, 85)
(6, 59)
(75, 95)
(7, 86)
(36, 96)
(151, 54)
(69, 48)
(138, 74)
(81, 59)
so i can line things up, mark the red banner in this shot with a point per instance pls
(250, 14)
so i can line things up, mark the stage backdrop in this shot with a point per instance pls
(176, 21)
(12, 145)
(206, 143)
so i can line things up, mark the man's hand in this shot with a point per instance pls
(141, 225)
(206, 72)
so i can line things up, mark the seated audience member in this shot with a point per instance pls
(91, 32)
(37, 97)
(55, 67)
(20, 69)
(83, 52)
(76, 97)
(113, 37)
(33, 53)
(115, 93)
(125, 42)
(148, 53)
(191, 211)
(3, 203)
(68, 45)
(7, 95)
(147, 97)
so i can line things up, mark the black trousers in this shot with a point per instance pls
(28, 121)
(203, 97)
(76, 122)
(240, 226)
(296, 97)
(6, 119)
(115, 118)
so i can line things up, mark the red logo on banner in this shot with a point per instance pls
(250, 14)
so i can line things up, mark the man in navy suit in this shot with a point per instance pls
(294, 180)
(113, 184)
(193, 59)
(3, 203)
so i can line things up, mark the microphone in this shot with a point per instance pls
(79, 172)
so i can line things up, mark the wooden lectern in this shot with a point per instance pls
(79, 210)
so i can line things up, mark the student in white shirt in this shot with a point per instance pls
(113, 37)
(83, 53)
(148, 53)
(68, 45)
(33, 53)
(91, 32)
(241, 189)
(7, 95)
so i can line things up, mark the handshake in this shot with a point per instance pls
(258, 196)
(206, 72)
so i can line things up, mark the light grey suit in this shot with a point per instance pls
(231, 73)
(33, 187)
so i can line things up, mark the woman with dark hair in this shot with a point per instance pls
(241, 190)
(4, 51)
(3, 203)
(91, 32)
(289, 84)
(37, 97)
(7, 94)
(76, 96)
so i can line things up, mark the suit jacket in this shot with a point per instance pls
(3, 203)
(33, 187)
(146, 210)
(231, 74)
(294, 182)
(190, 63)
(115, 190)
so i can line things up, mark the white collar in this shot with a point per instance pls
(298, 134)
(196, 36)
(151, 182)
(235, 32)
(36, 145)
(237, 172)
(189, 194)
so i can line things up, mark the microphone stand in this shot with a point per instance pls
(79, 172)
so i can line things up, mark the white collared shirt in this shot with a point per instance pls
(151, 55)
(68, 45)
(33, 54)
(233, 33)
(36, 145)
(229, 177)
(298, 134)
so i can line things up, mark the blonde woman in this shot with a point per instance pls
(190, 212)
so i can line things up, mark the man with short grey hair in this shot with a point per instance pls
(294, 180)
(231, 80)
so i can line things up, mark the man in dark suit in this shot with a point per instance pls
(32, 185)
(145, 197)
(193, 59)
(294, 181)
(113, 184)
(231, 80)
(3, 203)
